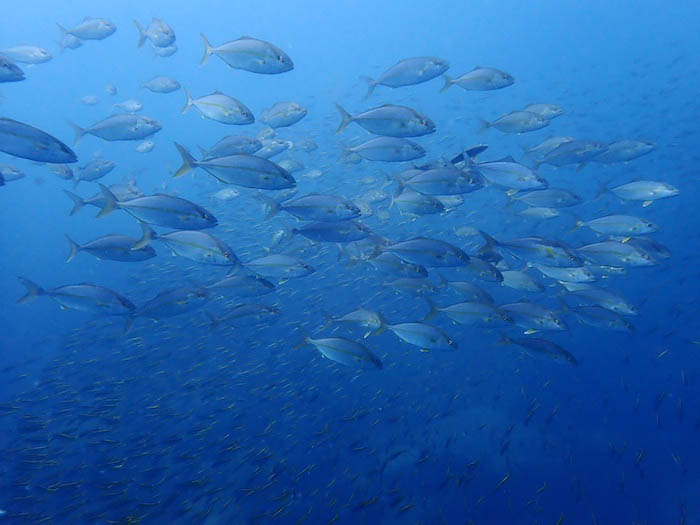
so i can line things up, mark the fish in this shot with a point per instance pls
(68, 41)
(9, 71)
(273, 147)
(389, 120)
(507, 173)
(592, 295)
(221, 108)
(388, 149)
(579, 274)
(250, 54)
(198, 246)
(173, 302)
(313, 207)
(112, 248)
(145, 146)
(516, 122)
(600, 317)
(470, 313)
(389, 263)
(283, 114)
(226, 194)
(548, 111)
(444, 181)
(111, 89)
(25, 141)
(243, 285)
(339, 231)
(10, 173)
(572, 152)
(241, 170)
(161, 84)
(643, 190)
(161, 210)
(345, 352)
(618, 225)
(471, 291)
(548, 198)
(408, 72)
(544, 148)
(279, 265)
(233, 145)
(93, 170)
(539, 212)
(416, 204)
(129, 106)
(615, 253)
(624, 151)
(27, 54)
(533, 317)
(480, 79)
(424, 336)
(82, 297)
(247, 315)
(519, 280)
(90, 29)
(541, 347)
(158, 32)
(431, 253)
(536, 250)
(119, 127)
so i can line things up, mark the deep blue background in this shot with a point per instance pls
(173, 397)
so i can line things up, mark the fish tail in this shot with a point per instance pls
(79, 132)
(347, 118)
(188, 103)
(305, 341)
(76, 181)
(490, 241)
(146, 237)
(602, 190)
(371, 84)
(110, 201)
(74, 249)
(448, 83)
(188, 161)
(382, 325)
(483, 126)
(128, 324)
(78, 201)
(213, 320)
(142, 34)
(61, 29)
(33, 290)
(433, 309)
(207, 50)
(272, 206)
(577, 224)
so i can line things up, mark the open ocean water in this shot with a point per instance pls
(435, 315)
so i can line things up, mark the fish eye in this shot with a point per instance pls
(280, 58)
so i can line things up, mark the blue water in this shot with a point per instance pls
(173, 422)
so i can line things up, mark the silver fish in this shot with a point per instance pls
(250, 54)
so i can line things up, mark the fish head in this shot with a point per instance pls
(284, 63)
(424, 125)
(151, 124)
(106, 27)
(10, 70)
(437, 66)
(451, 343)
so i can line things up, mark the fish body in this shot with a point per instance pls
(244, 170)
(27, 54)
(82, 297)
(517, 122)
(173, 302)
(112, 248)
(282, 266)
(283, 114)
(409, 72)
(158, 32)
(221, 108)
(161, 84)
(388, 149)
(28, 142)
(624, 151)
(90, 29)
(198, 246)
(389, 120)
(161, 210)
(250, 54)
(480, 79)
(431, 253)
(445, 181)
(233, 145)
(124, 126)
(346, 352)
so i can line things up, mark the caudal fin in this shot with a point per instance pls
(483, 126)
(207, 50)
(271, 205)
(382, 326)
(188, 103)
(213, 320)
(448, 83)
(371, 84)
(434, 310)
(142, 34)
(74, 249)
(347, 118)
(146, 237)
(78, 202)
(33, 290)
(110, 201)
(188, 161)
(79, 132)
